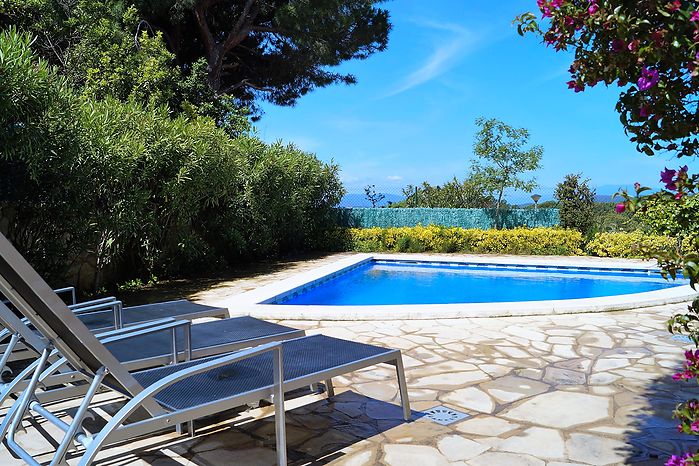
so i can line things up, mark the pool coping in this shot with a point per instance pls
(256, 302)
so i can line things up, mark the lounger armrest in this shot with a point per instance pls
(135, 327)
(68, 289)
(93, 302)
(165, 327)
(115, 306)
(211, 364)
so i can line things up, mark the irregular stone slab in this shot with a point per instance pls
(457, 448)
(557, 376)
(593, 449)
(561, 409)
(363, 458)
(610, 363)
(402, 455)
(470, 398)
(505, 459)
(489, 426)
(512, 388)
(537, 441)
(603, 378)
(513, 352)
(450, 380)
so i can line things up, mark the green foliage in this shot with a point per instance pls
(679, 219)
(278, 51)
(131, 191)
(456, 194)
(628, 244)
(576, 203)
(443, 239)
(503, 158)
(606, 219)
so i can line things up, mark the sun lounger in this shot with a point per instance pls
(172, 395)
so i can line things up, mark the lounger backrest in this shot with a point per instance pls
(20, 283)
(14, 324)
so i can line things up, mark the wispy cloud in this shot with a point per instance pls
(394, 178)
(445, 55)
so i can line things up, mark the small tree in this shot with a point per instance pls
(576, 203)
(372, 196)
(503, 159)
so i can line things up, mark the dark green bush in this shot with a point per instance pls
(105, 187)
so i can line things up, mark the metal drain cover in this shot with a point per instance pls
(444, 416)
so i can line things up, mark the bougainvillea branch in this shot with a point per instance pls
(649, 48)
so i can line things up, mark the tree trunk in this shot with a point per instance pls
(497, 210)
(215, 64)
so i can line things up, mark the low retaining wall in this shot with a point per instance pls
(464, 218)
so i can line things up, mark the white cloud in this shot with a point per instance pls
(444, 56)
(394, 178)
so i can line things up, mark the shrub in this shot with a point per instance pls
(576, 202)
(538, 241)
(628, 245)
(129, 191)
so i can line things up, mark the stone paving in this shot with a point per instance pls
(585, 389)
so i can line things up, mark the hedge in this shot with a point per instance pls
(537, 241)
(532, 241)
(628, 245)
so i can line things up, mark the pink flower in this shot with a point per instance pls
(676, 460)
(667, 176)
(573, 84)
(694, 16)
(674, 5)
(618, 45)
(678, 196)
(620, 208)
(649, 78)
(557, 3)
(593, 8)
(644, 111)
(633, 45)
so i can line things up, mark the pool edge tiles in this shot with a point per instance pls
(258, 302)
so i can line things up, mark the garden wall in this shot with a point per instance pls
(483, 219)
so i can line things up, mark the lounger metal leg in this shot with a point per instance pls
(14, 339)
(16, 414)
(279, 414)
(330, 388)
(403, 388)
(76, 426)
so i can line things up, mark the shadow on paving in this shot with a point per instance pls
(316, 434)
(651, 436)
(186, 288)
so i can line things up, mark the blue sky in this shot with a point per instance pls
(411, 116)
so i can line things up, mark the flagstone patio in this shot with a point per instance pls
(544, 390)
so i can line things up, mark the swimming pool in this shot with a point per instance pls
(385, 282)
(421, 286)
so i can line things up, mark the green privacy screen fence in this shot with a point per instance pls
(464, 218)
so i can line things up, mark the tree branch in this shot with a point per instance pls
(246, 83)
(238, 33)
(200, 15)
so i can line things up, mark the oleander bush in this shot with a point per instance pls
(537, 241)
(113, 190)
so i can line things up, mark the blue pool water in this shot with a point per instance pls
(393, 282)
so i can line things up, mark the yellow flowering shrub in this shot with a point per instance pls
(630, 245)
(447, 239)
